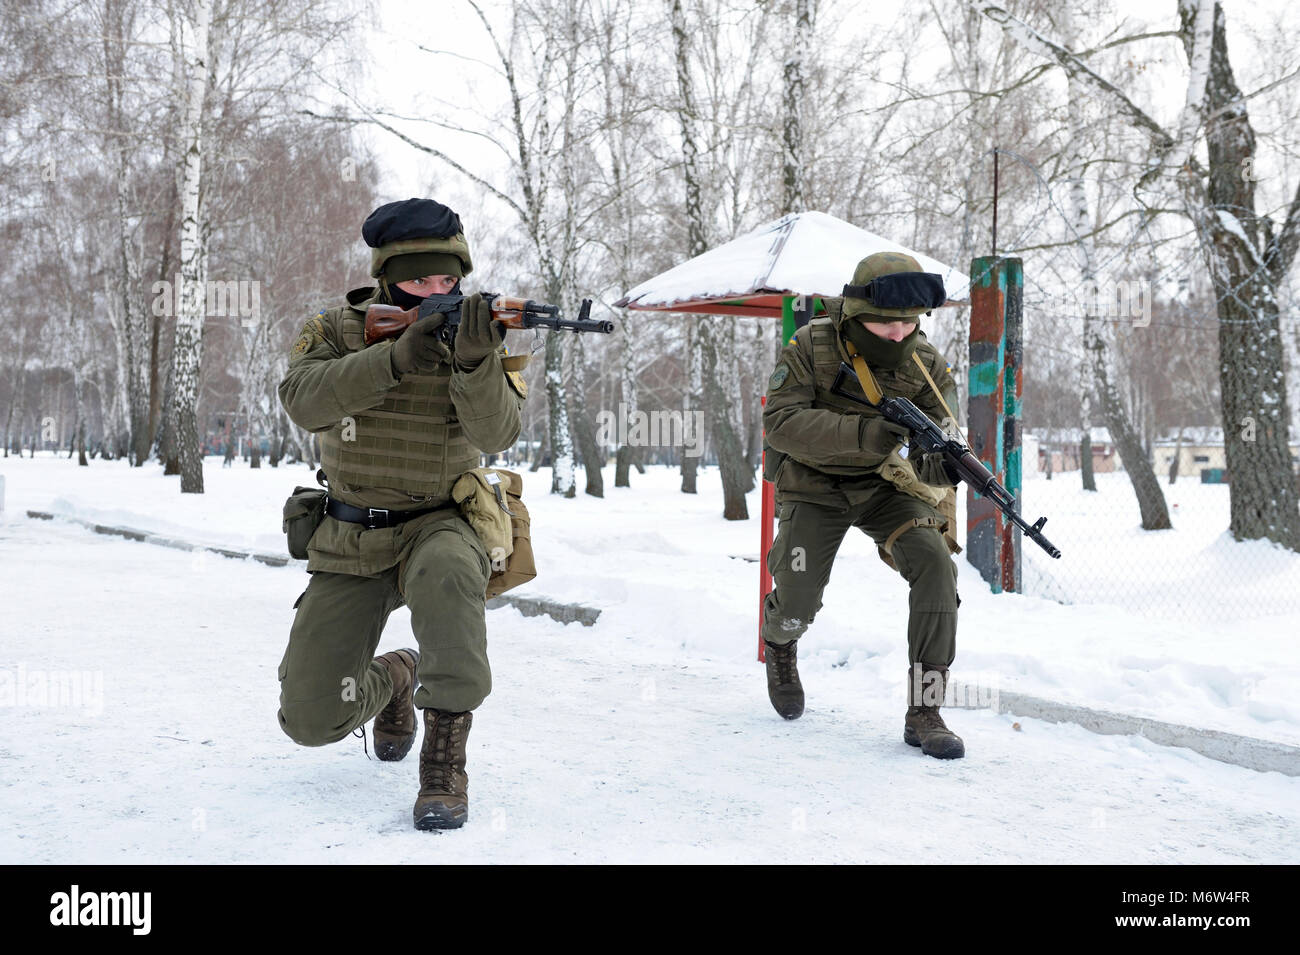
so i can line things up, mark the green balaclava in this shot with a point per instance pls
(875, 350)
(414, 265)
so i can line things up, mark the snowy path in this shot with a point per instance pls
(590, 749)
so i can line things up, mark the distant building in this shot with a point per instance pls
(1060, 449)
(1200, 453)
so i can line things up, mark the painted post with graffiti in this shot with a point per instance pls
(993, 422)
(1013, 381)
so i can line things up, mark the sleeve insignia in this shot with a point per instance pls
(312, 334)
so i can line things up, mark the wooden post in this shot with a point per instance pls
(1012, 386)
(996, 384)
(984, 522)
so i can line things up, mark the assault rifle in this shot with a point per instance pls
(957, 456)
(962, 463)
(389, 321)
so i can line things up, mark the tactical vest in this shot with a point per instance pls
(412, 441)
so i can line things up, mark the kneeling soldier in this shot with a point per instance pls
(838, 463)
(399, 422)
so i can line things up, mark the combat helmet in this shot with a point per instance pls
(892, 287)
(414, 238)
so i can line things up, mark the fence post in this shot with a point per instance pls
(792, 319)
(1012, 385)
(985, 413)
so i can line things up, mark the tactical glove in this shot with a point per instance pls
(478, 335)
(418, 350)
(935, 469)
(879, 436)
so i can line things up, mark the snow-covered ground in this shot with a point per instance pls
(647, 737)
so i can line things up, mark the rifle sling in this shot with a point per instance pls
(871, 388)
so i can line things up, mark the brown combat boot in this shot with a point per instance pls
(395, 724)
(783, 686)
(923, 726)
(443, 802)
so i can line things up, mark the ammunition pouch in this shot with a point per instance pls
(303, 513)
(899, 472)
(490, 501)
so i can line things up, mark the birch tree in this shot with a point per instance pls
(187, 350)
(1247, 255)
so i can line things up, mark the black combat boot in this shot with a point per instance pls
(443, 802)
(783, 686)
(923, 726)
(395, 724)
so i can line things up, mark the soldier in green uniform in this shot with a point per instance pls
(838, 463)
(399, 422)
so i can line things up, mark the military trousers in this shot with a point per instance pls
(807, 539)
(329, 682)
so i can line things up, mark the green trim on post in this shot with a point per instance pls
(787, 318)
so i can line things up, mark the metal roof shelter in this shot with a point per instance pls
(805, 253)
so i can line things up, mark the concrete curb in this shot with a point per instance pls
(528, 606)
(1246, 751)
(148, 537)
(539, 606)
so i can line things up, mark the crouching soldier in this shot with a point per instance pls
(399, 421)
(838, 463)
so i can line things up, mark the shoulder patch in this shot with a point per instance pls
(779, 377)
(312, 334)
(517, 383)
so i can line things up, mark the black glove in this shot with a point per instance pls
(878, 435)
(418, 350)
(478, 335)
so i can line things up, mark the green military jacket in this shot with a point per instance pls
(812, 435)
(390, 442)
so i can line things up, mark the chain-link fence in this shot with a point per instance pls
(1193, 571)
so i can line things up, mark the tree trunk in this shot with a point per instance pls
(1252, 375)
(593, 455)
(630, 402)
(187, 352)
(692, 398)
(541, 453)
(697, 241)
(1085, 461)
(1097, 352)
(718, 349)
(562, 478)
(792, 171)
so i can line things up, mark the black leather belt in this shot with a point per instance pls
(372, 517)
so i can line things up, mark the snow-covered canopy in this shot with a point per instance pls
(806, 253)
